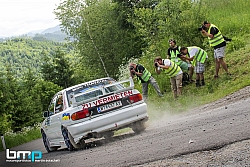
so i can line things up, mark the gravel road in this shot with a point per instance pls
(236, 154)
(216, 134)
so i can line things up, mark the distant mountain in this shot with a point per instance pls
(52, 34)
(55, 29)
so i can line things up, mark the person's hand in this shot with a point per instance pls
(156, 64)
(203, 31)
(132, 71)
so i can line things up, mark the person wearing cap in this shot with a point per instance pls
(198, 57)
(172, 54)
(144, 77)
(59, 104)
(217, 41)
(173, 71)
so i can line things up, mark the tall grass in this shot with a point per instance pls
(25, 135)
(232, 16)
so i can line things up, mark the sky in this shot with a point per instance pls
(18, 17)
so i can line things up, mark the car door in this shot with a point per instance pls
(53, 130)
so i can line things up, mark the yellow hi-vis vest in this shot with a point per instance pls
(173, 70)
(174, 58)
(145, 74)
(217, 39)
(200, 56)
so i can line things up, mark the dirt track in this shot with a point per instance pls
(216, 134)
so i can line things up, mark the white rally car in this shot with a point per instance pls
(93, 109)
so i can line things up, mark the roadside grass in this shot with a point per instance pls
(238, 65)
(18, 138)
(231, 16)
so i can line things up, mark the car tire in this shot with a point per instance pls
(47, 144)
(138, 127)
(66, 139)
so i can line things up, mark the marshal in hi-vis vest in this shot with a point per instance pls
(200, 56)
(145, 74)
(173, 56)
(217, 39)
(173, 70)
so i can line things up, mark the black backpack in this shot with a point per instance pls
(185, 79)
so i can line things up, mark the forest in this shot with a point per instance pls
(107, 36)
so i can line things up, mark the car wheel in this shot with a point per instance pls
(66, 139)
(138, 127)
(108, 135)
(46, 143)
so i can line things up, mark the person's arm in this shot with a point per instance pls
(213, 31)
(157, 68)
(140, 71)
(187, 58)
(163, 66)
(168, 53)
(206, 34)
(132, 74)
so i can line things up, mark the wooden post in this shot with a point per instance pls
(3, 142)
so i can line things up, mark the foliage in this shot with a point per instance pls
(57, 69)
(96, 26)
(24, 54)
(22, 102)
(25, 135)
(169, 20)
(231, 16)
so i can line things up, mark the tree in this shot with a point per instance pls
(57, 69)
(5, 122)
(43, 92)
(104, 44)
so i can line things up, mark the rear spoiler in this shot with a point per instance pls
(131, 87)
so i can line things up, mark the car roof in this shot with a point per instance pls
(86, 83)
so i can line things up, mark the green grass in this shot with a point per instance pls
(238, 64)
(231, 16)
(15, 139)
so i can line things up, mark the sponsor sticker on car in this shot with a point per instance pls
(108, 99)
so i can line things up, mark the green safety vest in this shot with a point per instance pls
(217, 39)
(174, 58)
(145, 74)
(173, 70)
(200, 56)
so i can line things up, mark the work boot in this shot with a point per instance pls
(202, 82)
(197, 83)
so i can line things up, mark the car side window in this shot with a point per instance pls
(59, 104)
(52, 106)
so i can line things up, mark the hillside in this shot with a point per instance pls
(22, 54)
(52, 34)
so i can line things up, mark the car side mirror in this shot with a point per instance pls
(46, 114)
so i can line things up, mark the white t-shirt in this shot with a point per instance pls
(167, 62)
(193, 52)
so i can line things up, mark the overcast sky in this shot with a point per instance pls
(18, 17)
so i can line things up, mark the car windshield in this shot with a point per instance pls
(91, 90)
